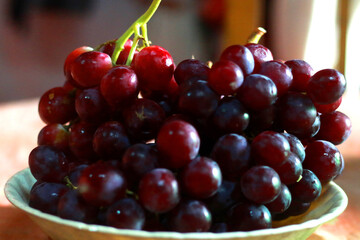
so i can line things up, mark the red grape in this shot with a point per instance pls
(240, 55)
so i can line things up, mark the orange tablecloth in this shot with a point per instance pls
(20, 125)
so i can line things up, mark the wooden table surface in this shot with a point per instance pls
(20, 125)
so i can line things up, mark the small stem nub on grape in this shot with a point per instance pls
(69, 183)
(256, 35)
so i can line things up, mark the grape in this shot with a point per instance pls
(110, 140)
(159, 190)
(56, 106)
(198, 99)
(248, 216)
(89, 67)
(240, 55)
(326, 86)
(154, 67)
(101, 184)
(260, 184)
(225, 77)
(301, 71)
(126, 214)
(71, 206)
(296, 146)
(290, 170)
(201, 178)
(48, 164)
(81, 140)
(328, 108)
(54, 135)
(190, 216)
(270, 148)
(335, 127)
(279, 73)
(187, 143)
(109, 49)
(323, 159)
(232, 153)
(260, 53)
(190, 68)
(307, 189)
(282, 202)
(45, 196)
(257, 92)
(143, 119)
(230, 116)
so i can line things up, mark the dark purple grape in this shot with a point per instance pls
(246, 216)
(290, 170)
(324, 160)
(45, 196)
(197, 99)
(48, 164)
(307, 189)
(190, 68)
(190, 216)
(126, 214)
(232, 153)
(71, 206)
(296, 146)
(260, 184)
(326, 86)
(257, 92)
(282, 202)
(81, 140)
(230, 116)
(240, 55)
(201, 178)
(75, 173)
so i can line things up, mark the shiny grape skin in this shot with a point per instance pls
(225, 77)
(307, 189)
(257, 92)
(159, 191)
(48, 164)
(290, 170)
(55, 135)
(326, 86)
(45, 196)
(89, 67)
(190, 216)
(232, 153)
(240, 55)
(279, 73)
(301, 71)
(91, 106)
(81, 140)
(143, 119)
(245, 216)
(187, 143)
(282, 202)
(260, 184)
(190, 68)
(270, 148)
(109, 49)
(101, 184)
(296, 113)
(56, 106)
(72, 56)
(296, 146)
(110, 140)
(119, 86)
(197, 99)
(154, 67)
(335, 127)
(230, 116)
(260, 53)
(71, 206)
(324, 160)
(126, 214)
(201, 178)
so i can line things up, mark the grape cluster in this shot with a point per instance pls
(191, 148)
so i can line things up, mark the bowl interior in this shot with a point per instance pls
(327, 207)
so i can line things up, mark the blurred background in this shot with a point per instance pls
(37, 35)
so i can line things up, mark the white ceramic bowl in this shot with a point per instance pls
(327, 207)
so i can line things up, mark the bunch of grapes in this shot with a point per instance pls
(134, 142)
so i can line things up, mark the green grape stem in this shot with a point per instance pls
(140, 22)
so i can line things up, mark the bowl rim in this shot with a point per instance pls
(313, 223)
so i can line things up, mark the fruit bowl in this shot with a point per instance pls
(327, 207)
